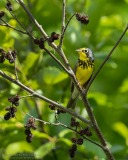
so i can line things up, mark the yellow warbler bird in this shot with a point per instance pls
(83, 72)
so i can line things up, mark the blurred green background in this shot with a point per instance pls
(108, 94)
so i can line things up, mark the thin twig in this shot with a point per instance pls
(8, 25)
(63, 23)
(64, 30)
(45, 36)
(16, 74)
(32, 18)
(106, 59)
(30, 95)
(35, 94)
(15, 17)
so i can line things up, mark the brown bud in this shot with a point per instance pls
(82, 18)
(41, 43)
(36, 41)
(9, 6)
(2, 55)
(54, 36)
(1, 14)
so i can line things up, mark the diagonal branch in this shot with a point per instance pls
(35, 94)
(45, 36)
(106, 59)
(14, 16)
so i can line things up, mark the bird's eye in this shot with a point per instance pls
(86, 51)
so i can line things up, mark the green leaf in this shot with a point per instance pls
(122, 129)
(30, 63)
(17, 147)
(64, 132)
(41, 135)
(53, 75)
(44, 150)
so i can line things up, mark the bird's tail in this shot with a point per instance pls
(73, 99)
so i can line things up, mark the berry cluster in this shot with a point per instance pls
(54, 36)
(1, 14)
(73, 149)
(11, 109)
(82, 18)
(39, 42)
(10, 56)
(14, 100)
(86, 132)
(30, 124)
(11, 112)
(74, 123)
(2, 55)
(58, 111)
(81, 132)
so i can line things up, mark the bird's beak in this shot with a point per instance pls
(77, 50)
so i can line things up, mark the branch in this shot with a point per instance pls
(14, 16)
(64, 30)
(8, 25)
(35, 94)
(63, 23)
(106, 59)
(45, 36)
(58, 123)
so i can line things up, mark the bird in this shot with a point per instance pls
(83, 71)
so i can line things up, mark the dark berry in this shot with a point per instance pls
(86, 131)
(80, 141)
(36, 41)
(52, 107)
(73, 124)
(7, 116)
(1, 14)
(12, 115)
(11, 56)
(14, 100)
(29, 139)
(82, 18)
(2, 55)
(27, 131)
(89, 133)
(16, 103)
(13, 109)
(72, 154)
(82, 132)
(58, 111)
(54, 36)
(73, 119)
(41, 43)
(74, 147)
(73, 140)
(77, 124)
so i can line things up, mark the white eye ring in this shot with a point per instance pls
(86, 50)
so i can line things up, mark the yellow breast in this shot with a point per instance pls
(84, 70)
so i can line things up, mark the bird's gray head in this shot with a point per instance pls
(87, 51)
